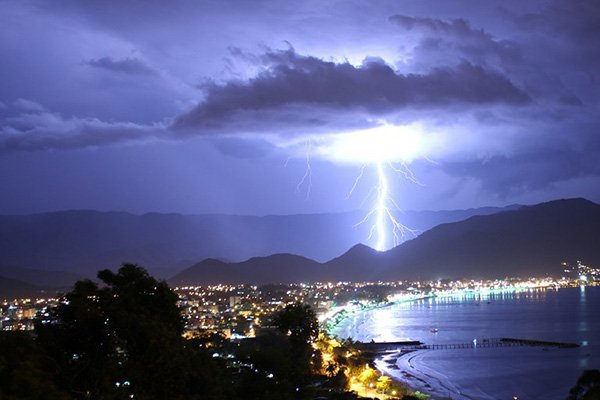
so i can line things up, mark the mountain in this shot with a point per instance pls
(531, 240)
(13, 288)
(277, 268)
(18, 282)
(86, 241)
(360, 263)
(48, 279)
(513, 241)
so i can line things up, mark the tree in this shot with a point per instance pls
(26, 372)
(80, 342)
(587, 387)
(368, 376)
(272, 373)
(331, 369)
(383, 384)
(125, 338)
(299, 322)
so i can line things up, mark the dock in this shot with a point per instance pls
(480, 343)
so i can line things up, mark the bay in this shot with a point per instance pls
(563, 315)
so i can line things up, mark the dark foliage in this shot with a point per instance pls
(26, 373)
(299, 322)
(124, 338)
(587, 386)
(282, 366)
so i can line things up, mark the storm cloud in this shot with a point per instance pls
(457, 39)
(508, 91)
(30, 127)
(374, 88)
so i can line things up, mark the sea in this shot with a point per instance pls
(559, 315)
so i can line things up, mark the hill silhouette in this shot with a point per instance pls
(277, 268)
(85, 241)
(528, 241)
(13, 288)
(48, 279)
(533, 240)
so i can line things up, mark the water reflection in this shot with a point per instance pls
(567, 315)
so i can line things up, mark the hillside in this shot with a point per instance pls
(523, 241)
(87, 241)
(277, 268)
(528, 241)
(531, 240)
(13, 288)
(40, 278)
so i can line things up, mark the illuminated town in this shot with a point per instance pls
(221, 315)
(239, 310)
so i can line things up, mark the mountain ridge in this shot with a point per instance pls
(505, 244)
(565, 230)
(89, 240)
(254, 270)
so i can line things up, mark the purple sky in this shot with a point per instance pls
(213, 106)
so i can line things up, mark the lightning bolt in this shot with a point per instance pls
(356, 181)
(307, 177)
(385, 229)
(381, 213)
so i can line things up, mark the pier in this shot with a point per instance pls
(480, 343)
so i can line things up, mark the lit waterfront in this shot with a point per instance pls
(362, 311)
(240, 310)
(567, 315)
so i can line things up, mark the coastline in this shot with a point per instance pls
(332, 322)
(399, 367)
(341, 313)
(407, 367)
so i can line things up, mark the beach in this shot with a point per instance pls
(487, 373)
(400, 366)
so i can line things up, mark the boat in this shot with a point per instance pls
(434, 330)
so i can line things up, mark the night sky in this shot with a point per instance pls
(220, 106)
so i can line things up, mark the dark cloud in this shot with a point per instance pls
(538, 169)
(132, 66)
(293, 80)
(565, 32)
(456, 27)
(456, 38)
(542, 148)
(576, 19)
(512, 94)
(30, 128)
(552, 55)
